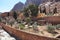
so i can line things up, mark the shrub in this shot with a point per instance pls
(58, 26)
(51, 29)
(21, 26)
(28, 19)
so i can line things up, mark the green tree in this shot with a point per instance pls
(15, 15)
(33, 9)
(26, 12)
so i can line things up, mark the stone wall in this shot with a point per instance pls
(51, 19)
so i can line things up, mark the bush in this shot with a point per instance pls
(58, 26)
(28, 20)
(21, 26)
(51, 29)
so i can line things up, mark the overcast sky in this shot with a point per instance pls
(7, 5)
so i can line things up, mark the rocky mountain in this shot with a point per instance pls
(0, 12)
(18, 7)
(36, 2)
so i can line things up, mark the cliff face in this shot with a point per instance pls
(36, 2)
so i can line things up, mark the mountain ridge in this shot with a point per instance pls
(19, 6)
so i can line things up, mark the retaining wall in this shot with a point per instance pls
(23, 35)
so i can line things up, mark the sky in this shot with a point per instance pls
(7, 5)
